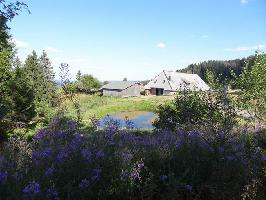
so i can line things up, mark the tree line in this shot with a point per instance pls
(29, 93)
(28, 90)
(224, 70)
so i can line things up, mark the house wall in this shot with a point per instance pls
(109, 92)
(167, 92)
(134, 90)
(153, 91)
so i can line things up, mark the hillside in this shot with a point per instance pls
(219, 67)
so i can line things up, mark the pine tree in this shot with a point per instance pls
(22, 96)
(78, 76)
(5, 76)
(41, 79)
(49, 89)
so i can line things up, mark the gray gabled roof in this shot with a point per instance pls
(119, 85)
(174, 81)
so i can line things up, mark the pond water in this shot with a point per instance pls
(139, 119)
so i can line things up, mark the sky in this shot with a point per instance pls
(113, 39)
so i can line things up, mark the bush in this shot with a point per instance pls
(60, 163)
(205, 111)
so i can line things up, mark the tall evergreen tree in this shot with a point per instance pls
(78, 76)
(5, 76)
(34, 73)
(41, 79)
(4, 36)
(22, 96)
(49, 89)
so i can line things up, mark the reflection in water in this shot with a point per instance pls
(140, 119)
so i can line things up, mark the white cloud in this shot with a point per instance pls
(51, 49)
(243, 2)
(250, 48)
(20, 44)
(161, 45)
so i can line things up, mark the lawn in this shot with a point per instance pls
(100, 106)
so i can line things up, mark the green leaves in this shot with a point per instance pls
(208, 112)
(40, 76)
(86, 83)
(253, 88)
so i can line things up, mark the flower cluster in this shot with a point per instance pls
(125, 164)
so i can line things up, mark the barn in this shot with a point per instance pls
(122, 88)
(169, 82)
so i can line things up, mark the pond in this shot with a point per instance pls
(139, 119)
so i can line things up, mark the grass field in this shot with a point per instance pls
(100, 106)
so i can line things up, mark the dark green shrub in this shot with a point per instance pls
(205, 111)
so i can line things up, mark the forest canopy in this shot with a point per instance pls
(224, 70)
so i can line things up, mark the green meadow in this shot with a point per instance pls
(93, 106)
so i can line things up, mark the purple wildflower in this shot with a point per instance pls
(72, 125)
(51, 193)
(84, 183)
(60, 135)
(163, 177)
(35, 156)
(33, 188)
(126, 156)
(40, 135)
(231, 158)
(86, 154)
(194, 135)
(100, 154)
(96, 173)
(49, 172)
(188, 188)
(62, 156)
(76, 142)
(221, 149)
(140, 165)
(3, 177)
(45, 153)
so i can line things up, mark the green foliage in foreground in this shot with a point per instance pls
(252, 82)
(62, 163)
(205, 111)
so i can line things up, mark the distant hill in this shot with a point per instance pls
(222, 67)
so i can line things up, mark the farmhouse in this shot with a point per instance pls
(122, 88)
(169, 82)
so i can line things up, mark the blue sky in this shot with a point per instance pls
(113, 39)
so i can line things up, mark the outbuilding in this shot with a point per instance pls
(122, 88)
(169, 82)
